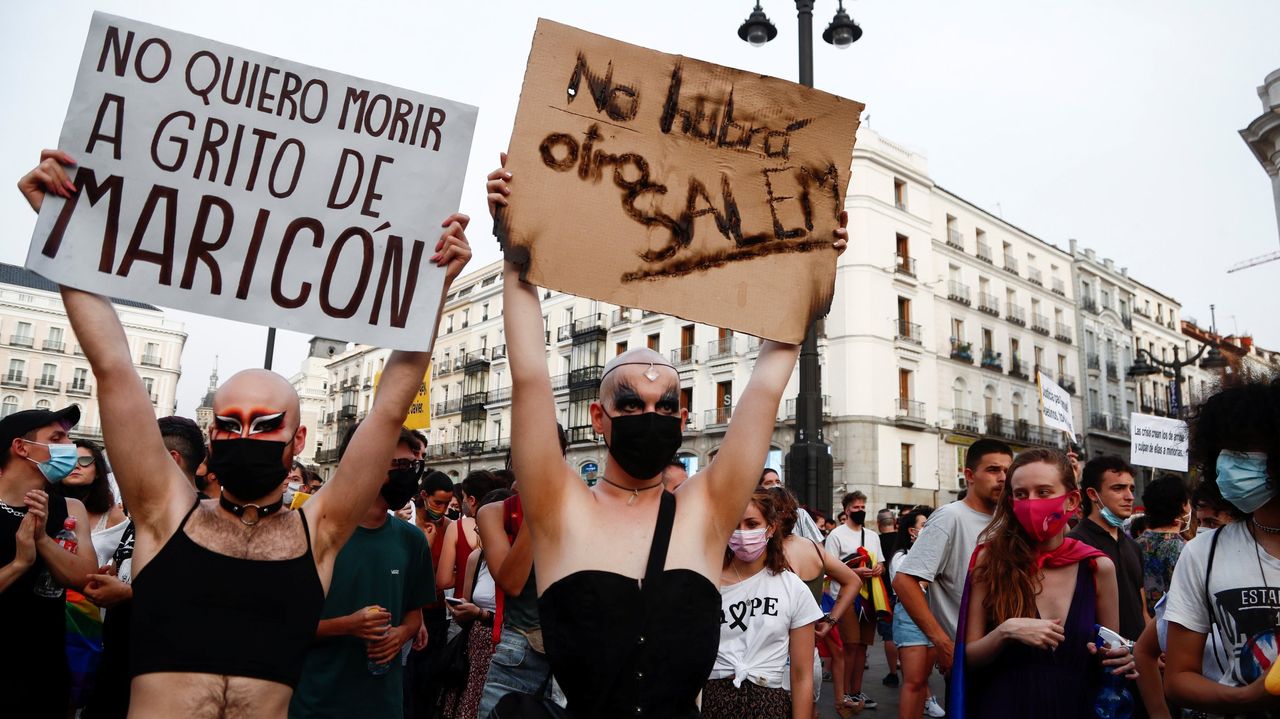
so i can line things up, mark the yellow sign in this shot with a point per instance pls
(419, 416)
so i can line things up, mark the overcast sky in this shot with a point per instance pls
(1111, 122)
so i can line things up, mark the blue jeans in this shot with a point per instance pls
(515, 667)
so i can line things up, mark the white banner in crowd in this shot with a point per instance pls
(1158, 442)
(1055, 405)
(222, 181)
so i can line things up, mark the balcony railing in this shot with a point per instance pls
(498, 396)
(1068, 383)
(904, 265)
(475, 359)
(1016, 315)
(449, 406)
(1035, 276)
(909, 409)
(326, 456)
(48, 384)
(499, 352)
(80, 388)
(22, 340)
(1017, 369)
(78, 350)
(717, 417)
(1040, 323)
(1108, 423)
(586, 376)
(1059, 287)
(721, 349)
(684, 355)
(1011, 264)
(348, 411)
(1126, 319)
(958, 292)
(965, 421)
(984, 252)
(791, 407)
(588, 324)
(16, 379)
(961, 351)
(989, 303)
(1088, 304)
(51, 346)
(1113, 370)
(621, 316)
(907, 331)
(560, 382)
(1062, 332)
(992, 360)
(150, 360)
(564, 333)
(955, 238)
(1092, 361)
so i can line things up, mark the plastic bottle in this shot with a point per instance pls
(46, 586)
(1114, 701)
(375, 668)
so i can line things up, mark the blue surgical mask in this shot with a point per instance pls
(1111, 517)
(62, 459)
(1243, 481)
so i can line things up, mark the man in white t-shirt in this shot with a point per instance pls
(1230, 578)
(856, 632)
(941, 553)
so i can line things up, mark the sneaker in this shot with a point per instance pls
(931, 708)
(867, 702)
(890, 680)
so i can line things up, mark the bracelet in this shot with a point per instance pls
(828, 619)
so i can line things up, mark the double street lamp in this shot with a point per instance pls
(809, 465)
(1145, 364)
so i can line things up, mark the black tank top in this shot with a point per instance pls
(195, 610)
(620, 651)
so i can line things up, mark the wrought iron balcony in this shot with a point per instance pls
(16, 379)
(80, 388)
(961, 351)
(909, 410)
(989, 303)
(22, 340)
(1011, 264)
(907, 331)
(992, 360)
(684, 355)
(958, 292)
(1035, 277)
(962, 420)
(955, 238)
(1016, 315)
(149, 360)
(722, 348)
(48, 384)
(51, 346)
(621, 316)
(904, 265)
(1040, 324)
(1088, 304)
(984, 252)
(717, 417)
(1062, 332)
(1059, 287)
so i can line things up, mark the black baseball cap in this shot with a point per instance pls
(20, 423)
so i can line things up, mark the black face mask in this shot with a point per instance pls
(248, 468)
(401, 486)
(452, 514)
(858, 518)
(642, 444)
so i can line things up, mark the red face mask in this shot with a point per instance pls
(1043, 518)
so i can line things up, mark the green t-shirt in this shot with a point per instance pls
(391, 567)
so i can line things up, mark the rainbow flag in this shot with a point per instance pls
(84, 644)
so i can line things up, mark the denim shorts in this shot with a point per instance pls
(905, 631)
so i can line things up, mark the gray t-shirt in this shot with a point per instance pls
(941, 555)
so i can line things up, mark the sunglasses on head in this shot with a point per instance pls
(85, 461)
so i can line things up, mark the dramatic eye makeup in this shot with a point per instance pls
(266, 423)
(228, 424)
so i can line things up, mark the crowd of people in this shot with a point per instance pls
(217, 576)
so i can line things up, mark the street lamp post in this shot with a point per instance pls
(809, 465)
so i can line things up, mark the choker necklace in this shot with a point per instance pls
(12, 511)
(259, 511)
(635, 491)
(1265, 528)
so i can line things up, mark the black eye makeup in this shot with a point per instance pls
(228, 424)
(266, 423)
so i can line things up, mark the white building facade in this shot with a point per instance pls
(44, 366)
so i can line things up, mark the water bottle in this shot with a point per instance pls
(1114, 700)
(46, 586)
(375, 668)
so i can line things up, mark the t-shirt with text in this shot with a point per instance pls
(1245, 601)
(756, 618)
(941, 555)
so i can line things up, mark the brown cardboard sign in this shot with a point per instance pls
(674, 185)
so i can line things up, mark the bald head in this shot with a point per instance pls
(629, 370)
(254, 398)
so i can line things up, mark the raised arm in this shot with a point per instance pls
(727, 483)
(334, 511)
(535, 449)
(152, 486)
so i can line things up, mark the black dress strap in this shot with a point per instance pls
(661, 538)
(187, 516)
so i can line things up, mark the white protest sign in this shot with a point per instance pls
(1055, 405)
(1158, 442)
(222, 181)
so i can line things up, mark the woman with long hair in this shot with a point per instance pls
(766, 625)
(89, 483)
(807, 558)
(1032, 602)
(915, 651)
